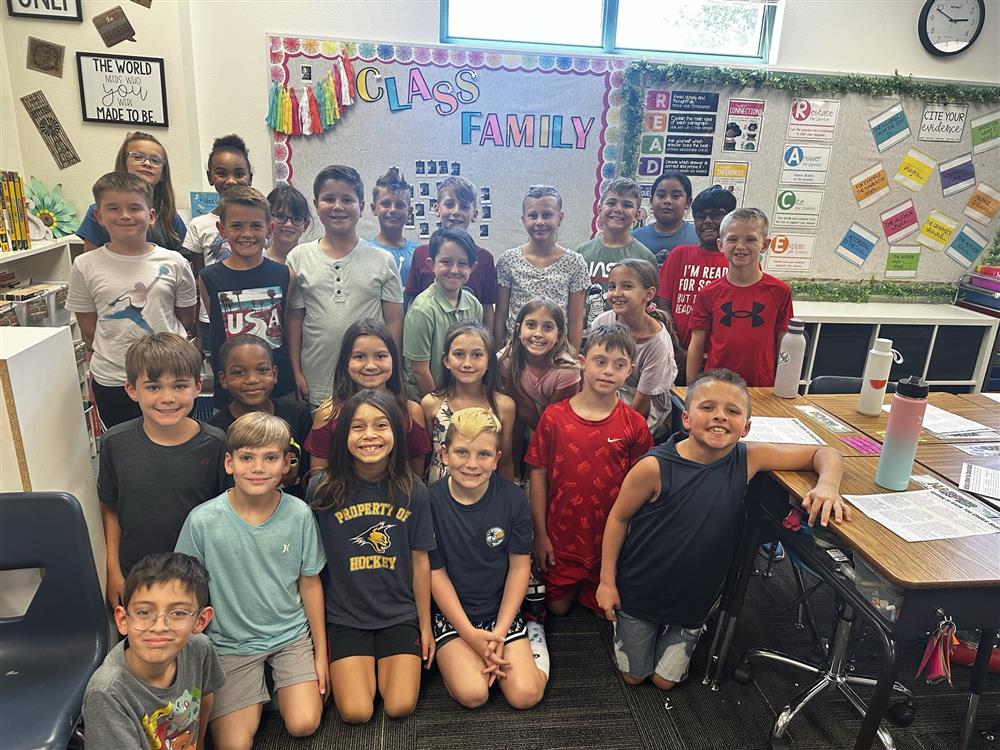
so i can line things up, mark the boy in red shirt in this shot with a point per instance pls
(581, 451)
(740, 317)
(689, 268)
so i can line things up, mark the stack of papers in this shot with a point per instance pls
(929, 514)
(781, 430)
(945, 425)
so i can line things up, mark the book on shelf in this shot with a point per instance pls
(14, 232)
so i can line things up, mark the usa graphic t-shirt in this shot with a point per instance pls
(686, 271)
(368, 580)
(585, 462)
(743, 324)
(251, 301)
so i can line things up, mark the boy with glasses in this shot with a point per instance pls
(156, 687)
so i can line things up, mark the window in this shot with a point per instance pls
(709, 30)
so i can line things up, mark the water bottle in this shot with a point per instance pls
(791, 353)
(906, 417)
(876, 377)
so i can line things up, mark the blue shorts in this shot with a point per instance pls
(643, 648)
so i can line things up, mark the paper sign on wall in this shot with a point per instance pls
(684, 122)
(902, 262)
(986, 132)
(732, 175)
(870, 186)
(857, 244)
(957, 174)
(797, 209)
(790, 252)
(966, 246)
(889, 127)
(657, 99)
(744, 120)
(813, 119)
(983, 204)
(899, 221)
(943, 122)
(937, 231)
(915, 169)
(803, 164)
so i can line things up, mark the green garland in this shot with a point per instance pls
(862, 291)
(643, 74)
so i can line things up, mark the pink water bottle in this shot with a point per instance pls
(906, 418)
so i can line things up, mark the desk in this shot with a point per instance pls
(946, 460)
(844, 407)
(981, 399)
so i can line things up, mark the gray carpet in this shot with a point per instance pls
(587, 705)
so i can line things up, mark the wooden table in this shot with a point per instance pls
(844, 407)
(981, 399)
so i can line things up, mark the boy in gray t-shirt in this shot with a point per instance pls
(160, 681)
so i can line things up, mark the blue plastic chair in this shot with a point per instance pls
(48, 654)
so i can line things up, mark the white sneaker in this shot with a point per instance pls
(539, 649)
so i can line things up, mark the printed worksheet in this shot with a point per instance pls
(941, 423)
(923, 515)
(981, 450)
(823, 419)
(980, 480)
(781, 430)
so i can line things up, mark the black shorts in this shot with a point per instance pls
(444, 631)
(343, 641)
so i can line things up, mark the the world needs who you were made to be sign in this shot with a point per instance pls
(122, 89)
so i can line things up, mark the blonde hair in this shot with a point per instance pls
(258, 429)
(471, 423)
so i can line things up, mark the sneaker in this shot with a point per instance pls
(779, 551)
(533, 606)
(539, 649)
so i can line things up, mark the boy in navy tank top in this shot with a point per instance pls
(675, 526)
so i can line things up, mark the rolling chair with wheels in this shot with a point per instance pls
(829, 384)
(48, 653)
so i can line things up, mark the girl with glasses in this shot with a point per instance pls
(290, 214)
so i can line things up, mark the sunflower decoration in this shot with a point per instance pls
(54, 211)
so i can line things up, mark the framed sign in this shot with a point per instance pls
(52, 10)
(122, 89)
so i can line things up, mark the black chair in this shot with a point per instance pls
(826, 384)
(49, 653)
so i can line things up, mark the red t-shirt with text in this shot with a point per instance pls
(687, 269)
(586, 463)
(743, 323)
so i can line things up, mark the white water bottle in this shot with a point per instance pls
(876, 377)
(791, 353)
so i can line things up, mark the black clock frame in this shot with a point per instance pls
(925, 40)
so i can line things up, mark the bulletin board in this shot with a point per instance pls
(863, 179)
(504, 121)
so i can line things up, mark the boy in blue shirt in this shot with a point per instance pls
(262, 550)
(674, 528)
(391, 198)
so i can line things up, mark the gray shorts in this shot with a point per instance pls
(290, 664)
(643, 647)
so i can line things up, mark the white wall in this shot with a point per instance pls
(216, 66)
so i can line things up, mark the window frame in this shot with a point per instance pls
(609, 30)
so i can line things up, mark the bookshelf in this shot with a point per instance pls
(48, 260)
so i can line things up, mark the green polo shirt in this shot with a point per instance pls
(427, 321)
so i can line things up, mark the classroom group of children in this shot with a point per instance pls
(355, 510)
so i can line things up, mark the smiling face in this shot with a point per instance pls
(718, 415)
(338, 207)
(257, 472)
(126, 216)
(157, 646)
(625, 293)
(541, 218)
(538, 333)
(669, 203)
(471, 463)
(467, 358)
(287, 229)
(706, 225)
(453, 213)
(452, 267)
(165, 401)
(250, 375)
(146, 169)
(247, 230)
(604, 372)
(226, 169)
(618, 212)
(392, 209)
(742, 242)
(370, 362)
(369, 438)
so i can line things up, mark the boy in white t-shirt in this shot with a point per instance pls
(125, 289)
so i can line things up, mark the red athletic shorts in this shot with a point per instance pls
(566, 576)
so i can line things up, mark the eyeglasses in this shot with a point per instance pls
(175, 619)
(716, 214)
(295, 221)
(138, 158)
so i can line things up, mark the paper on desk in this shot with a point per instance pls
(994, 396)
(924, 515)
(981, 480)
(941, 423)
(981, 506)
(824, 420)
(982, 450)
(781, 430)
